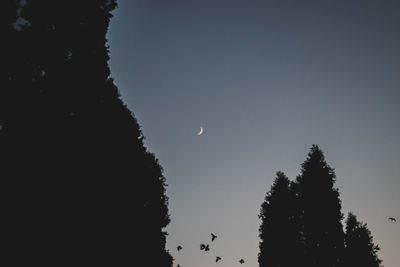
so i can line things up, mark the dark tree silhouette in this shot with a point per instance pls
(360, 249)
(301, 222)
(79, 184)
(281, 243)
(320, 210)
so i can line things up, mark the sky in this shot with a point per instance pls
(266, 80)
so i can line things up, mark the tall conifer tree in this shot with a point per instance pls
(82, 188)
(320, 209)
(360, 249)
(281, 243)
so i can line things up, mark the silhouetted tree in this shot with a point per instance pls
(320, 211)
(281, 243)
(301, 222)
(360, 249)
(80, 184)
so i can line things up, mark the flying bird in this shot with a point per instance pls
(217, 259)
(204, 247)
(179, 248)
(201, 131)
(213, 237)
(392, 219)
(241, 261)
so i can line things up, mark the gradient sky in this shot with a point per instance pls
(266, 80)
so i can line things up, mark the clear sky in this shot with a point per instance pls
(266, 80)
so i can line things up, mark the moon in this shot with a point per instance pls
(201, 131)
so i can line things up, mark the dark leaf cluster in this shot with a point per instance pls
(302, 222)
(80, 187)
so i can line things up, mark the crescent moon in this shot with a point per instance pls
(201, 131)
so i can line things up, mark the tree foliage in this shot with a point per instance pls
(279, 230)
(80, 184)
(320, 209)
(302, 222)
(360, 248)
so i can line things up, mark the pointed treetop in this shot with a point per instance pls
(315, 155)
(281, 180)
(315, 166)
(351, 222)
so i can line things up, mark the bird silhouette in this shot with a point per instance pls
(241, 261)
(213, 237)
(207, 247)
(202, 246)
(392, 219)
(179, 248)
(217, 259)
